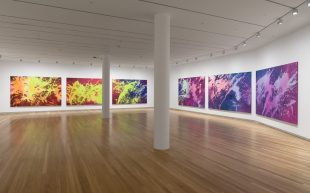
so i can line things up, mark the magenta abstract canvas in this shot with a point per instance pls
(192, 92)
(277, 93)
(230, 92)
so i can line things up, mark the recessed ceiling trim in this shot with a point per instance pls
(73, 30)
(120, 36)
(277, 3)
(65, 42)
(201, 13)
(199, 42)
(74, 25)
(200, 30)
(197, 47)
(149, 22)
(77, 35)
(83, 11)
(46, 40)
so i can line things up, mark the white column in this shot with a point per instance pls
(161, 76)
(106, 87)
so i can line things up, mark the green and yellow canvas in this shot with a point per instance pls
(35, 91)
(84, 91)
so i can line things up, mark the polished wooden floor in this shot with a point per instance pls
(78, 152)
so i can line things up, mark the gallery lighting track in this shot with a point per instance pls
(279, 21)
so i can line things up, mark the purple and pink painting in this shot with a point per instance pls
(230, 92)
(192, 92)
(277, 93)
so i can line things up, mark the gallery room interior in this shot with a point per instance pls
(155, 96)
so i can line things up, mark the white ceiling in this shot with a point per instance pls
(76, 30)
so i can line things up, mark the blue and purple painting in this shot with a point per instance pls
(192, 92)
(230, 92)
(277, 93)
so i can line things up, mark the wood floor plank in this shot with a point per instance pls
(78, 152)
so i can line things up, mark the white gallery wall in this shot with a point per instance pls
(24, 68)
(291, 48)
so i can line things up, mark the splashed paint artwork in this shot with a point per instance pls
(84, 91)
(35, 91)
(192, 92)
(277, 93)
(230, 92)
(126, 91)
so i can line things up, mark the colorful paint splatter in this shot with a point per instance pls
(230, 92)
(277, 93)
(35, 91)
(192, 92)
(84, 91)
(129, 91)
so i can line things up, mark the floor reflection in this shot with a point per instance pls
(77, 152)
(194, 128)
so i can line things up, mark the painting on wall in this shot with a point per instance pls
(277, 93)
(35, 91)
(125, 91)
(230, 92)
(84, 91)
(192, 92)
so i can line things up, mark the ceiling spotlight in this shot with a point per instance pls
(211, 54)
(73, 62)
(236, 47)
(0, 56)
(56, 62)
(20, 60)
(119, 65)
(223, 52)
(177, 63)
(187, 60)
(39, 61)
(258, 35)
(308, 3)
(295, 11)
(279, 21)
(196, 58)
(243, 44)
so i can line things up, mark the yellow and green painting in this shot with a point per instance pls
(84, 91)
(126, 91)
(35, 91)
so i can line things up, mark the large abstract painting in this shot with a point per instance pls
(230, 92)
(35, 91)
(277, 93)
(192, 92)
(126, 91)
(84, 91)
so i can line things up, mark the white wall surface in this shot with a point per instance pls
(10, 68)
(291, 48)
